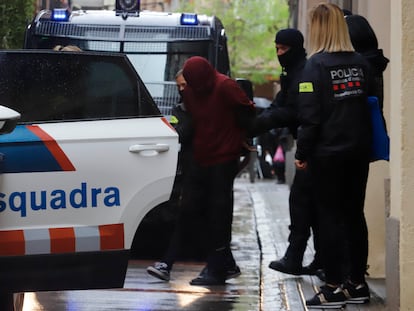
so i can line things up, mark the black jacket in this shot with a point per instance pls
(378, 63)
(283, 110)
(181, 120)
(333, 109)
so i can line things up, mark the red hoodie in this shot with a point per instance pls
(212, 100)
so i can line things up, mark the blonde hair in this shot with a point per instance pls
(328, 31)
(72, 48)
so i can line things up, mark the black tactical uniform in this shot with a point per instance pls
(283, 113)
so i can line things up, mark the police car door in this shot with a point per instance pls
(89, 158)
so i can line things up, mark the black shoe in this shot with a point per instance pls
(286, 266)
(314, 268)
(160, 271)
(356, 294)
(320, 273)
(327, 298)
(206, 279)
(231, 273)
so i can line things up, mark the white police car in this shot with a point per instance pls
(89, 157)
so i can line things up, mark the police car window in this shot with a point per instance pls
(71, 86)
(157, 61)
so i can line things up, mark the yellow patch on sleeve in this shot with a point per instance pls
(306, 87)
(173, 120)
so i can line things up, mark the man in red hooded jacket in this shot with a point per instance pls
(220, 111)
(214, 101)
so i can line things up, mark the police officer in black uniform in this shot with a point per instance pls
(283, 113)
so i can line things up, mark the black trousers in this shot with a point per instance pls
(340, 184)
(303, 218)
(209, 196)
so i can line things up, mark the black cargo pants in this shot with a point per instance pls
(303, 218)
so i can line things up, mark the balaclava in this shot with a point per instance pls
(294, 39)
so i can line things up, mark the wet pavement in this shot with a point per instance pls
(260, 230)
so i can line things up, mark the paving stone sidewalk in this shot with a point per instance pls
(281, 291)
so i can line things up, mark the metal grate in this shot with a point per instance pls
(78, 30)
(165, 95)
(146, 33)
(148, 47)
(110, 46)
(113, 32)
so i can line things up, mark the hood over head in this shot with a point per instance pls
(377, 60)
(365, 42)
(362, 35)
(290, 37)
(294, 39)
(199, 74)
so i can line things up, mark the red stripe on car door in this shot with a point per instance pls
(53, 147)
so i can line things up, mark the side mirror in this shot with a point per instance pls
(8, 119)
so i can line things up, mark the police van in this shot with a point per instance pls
(156, 43)
(90, 156)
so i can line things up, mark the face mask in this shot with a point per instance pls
(286, 59)
(181, 93)
(291, 57)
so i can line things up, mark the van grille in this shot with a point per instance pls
(78, 31)
(165, 95)
(114, 32)
(145, 33)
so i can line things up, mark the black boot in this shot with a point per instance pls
(314, 268)
(286, 265)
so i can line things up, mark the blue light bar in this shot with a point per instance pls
(189, 19)
(61, 15)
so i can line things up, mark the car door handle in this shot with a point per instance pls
(148, 148)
